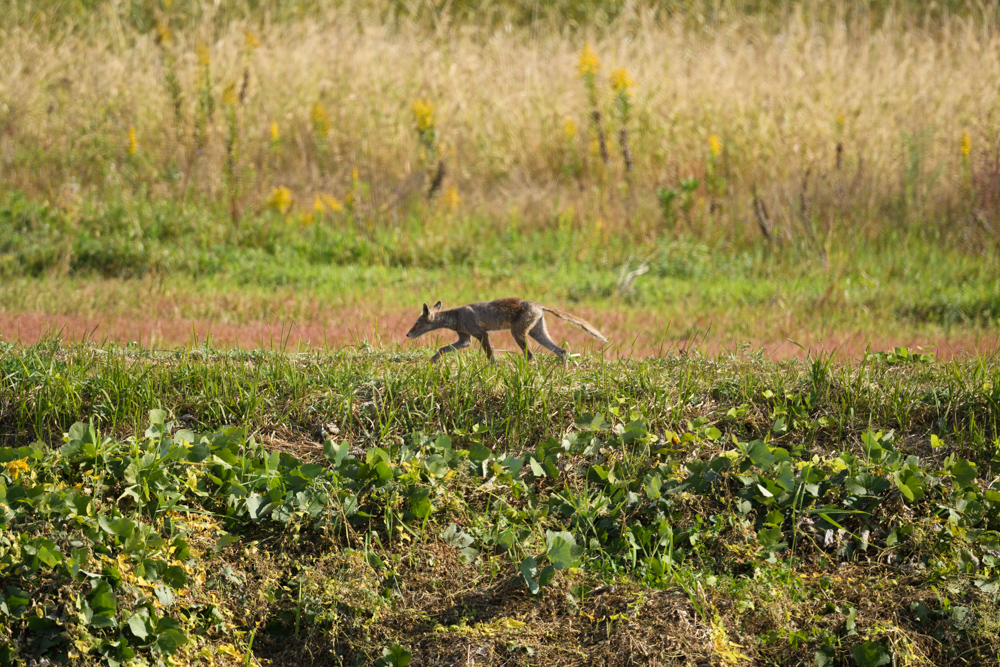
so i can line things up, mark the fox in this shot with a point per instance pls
(476, 320)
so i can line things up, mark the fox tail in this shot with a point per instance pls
(572, 319)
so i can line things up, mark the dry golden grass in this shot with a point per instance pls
(333, 93)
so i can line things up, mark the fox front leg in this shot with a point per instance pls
(484, 340)
(464, 340)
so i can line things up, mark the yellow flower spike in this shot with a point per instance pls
(204, 58)
(229, 94)
(589, 63)
(163, 32)
(354, 176)
(280, 199)
(250, 40)
(423, 115)
(321, 123)
(714, 145)
(275, 135)
(332, 202)
(841, 121)
(16, 468)
(318, 206)
(620, 81)
(133, 142)
(451, 197)
(966, 145)
(569, 128)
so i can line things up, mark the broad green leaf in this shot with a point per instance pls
(137, 624)
(769, 538)
(478, 453)
(964, 472)
(175, 577)
(562, 549)
(870, 654)
(335, 453)
(653, 485)
(760, 454)
(536, 468)
(420, 504)
(529, 571)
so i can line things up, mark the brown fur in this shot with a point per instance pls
(476, 320)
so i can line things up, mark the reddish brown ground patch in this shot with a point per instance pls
(632, 334)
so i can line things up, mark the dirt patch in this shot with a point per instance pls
(633, 334)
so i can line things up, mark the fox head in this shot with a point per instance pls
(425, 322)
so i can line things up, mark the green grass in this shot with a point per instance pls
(161, 260)
(371, 506)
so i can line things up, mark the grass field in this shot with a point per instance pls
(218, 220)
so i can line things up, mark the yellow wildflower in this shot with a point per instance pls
(321, 124)
(354, 176)
(966, 145)
(589, 63)
(133, 142)
(275, 135)
(250, 40)
(280, 199)
(620, 81)
(163, 33)
(203, 55)
(332, 202)
(569, 128)
(714, 145)
(229, 94)
(16, 468)
(841, 120)
(423, 115)
(451, 197)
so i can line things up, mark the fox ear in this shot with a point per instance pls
(427, 311)
(437, 306)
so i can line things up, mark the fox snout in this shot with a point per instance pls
(418, 330)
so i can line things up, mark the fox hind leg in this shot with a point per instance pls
(464, 341)
(540, 333)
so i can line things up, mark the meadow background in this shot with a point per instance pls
(218, 219)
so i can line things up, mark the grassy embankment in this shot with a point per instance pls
(369, 507)
(817, 174)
